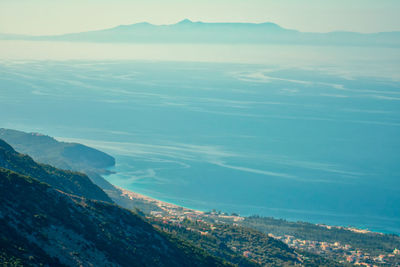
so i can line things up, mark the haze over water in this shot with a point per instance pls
(296, 132)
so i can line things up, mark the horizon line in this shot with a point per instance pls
(187, 20)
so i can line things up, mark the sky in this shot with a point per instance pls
(40, 17)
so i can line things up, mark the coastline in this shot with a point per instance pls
(172, 208)
(159, 203)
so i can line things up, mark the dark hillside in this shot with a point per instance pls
(41, 225)
(67, 181)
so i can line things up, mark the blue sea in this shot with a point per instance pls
(313, 137)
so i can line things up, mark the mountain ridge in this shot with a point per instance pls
(46, 149)
(67, 181)
(190, 32)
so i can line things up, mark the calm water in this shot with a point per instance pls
(318, 143)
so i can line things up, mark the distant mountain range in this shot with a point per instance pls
(191, 32)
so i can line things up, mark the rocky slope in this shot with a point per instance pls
(40, 225)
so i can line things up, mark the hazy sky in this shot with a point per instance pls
(62, 16)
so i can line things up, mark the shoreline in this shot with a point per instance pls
(168, 207)
(341, 246)
(161, 204)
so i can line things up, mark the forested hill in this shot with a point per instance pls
(41, 226)
(45, 149)
(67, 181)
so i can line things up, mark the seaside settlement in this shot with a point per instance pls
(166, 214)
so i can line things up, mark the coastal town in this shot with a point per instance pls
(343, 251)
(170, 214)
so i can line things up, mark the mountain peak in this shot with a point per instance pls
(270, 24)
(185, 21)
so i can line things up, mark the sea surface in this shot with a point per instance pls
(305, 133)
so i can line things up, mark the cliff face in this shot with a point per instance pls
(67, 181)
(39, 224)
